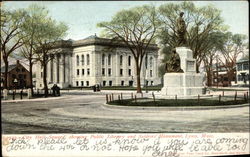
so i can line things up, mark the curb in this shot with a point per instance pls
(105, 105)
(34, 99)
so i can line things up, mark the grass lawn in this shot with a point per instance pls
(173, 103)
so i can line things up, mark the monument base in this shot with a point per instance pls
(182, 84)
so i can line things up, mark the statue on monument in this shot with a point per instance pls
(181, 30)
(174, 64)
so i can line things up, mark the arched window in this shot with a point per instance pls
(121, 59)
(129, 60)
(151, 62)
(77, 60)
(82, 59)
(109, 59)
(88, 60)
(103, 59)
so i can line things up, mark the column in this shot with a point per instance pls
(61, 68)
(48, 71)
(52, 69)
(57, 68)
(64, 68)
(71, 68)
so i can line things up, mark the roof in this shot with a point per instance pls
(242, 61)
(95, 40)
(10, 67)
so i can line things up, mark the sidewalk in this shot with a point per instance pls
(34, 99)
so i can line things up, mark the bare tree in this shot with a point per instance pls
(11, 22)
(135, 27)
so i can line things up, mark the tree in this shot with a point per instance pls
(49, 32)
(33, 17)
(200, 23)
(218, 39)
(11, 22)
(136, 28)
(233, 46)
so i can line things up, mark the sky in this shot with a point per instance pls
(83, 16)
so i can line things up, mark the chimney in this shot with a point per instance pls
(17, 62)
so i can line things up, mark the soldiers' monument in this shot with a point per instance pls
(181, 78)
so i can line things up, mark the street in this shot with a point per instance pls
(77, 112)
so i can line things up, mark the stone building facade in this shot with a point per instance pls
(95, 60)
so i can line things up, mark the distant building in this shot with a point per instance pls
(242, 72)
(95, 60)
(220, 76)
(18, 76)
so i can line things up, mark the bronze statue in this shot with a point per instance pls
(174, 64)
(181, 30)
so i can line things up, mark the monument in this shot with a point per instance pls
(181, 78)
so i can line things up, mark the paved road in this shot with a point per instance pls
(77, 112)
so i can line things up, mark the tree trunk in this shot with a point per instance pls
(5, 83)
(209, 80)
(30, 73)
(138, 78)
(45, 78)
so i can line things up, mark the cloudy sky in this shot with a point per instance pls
(82, 16)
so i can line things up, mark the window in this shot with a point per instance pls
(88, 71)
(82, 83)
(77, 84)
(103, 71)
(110, 83)
(82, 71)
(88, 59)
(77, 60)
(82, 59)
(104, 83)
(152, 83)
(41, 74)
(17, 69)
(239, 67)
(13, 76)
(103, 59)
(109, 72)
(109, 59)
(245, 66)
(146, 62)
(129, 60)
(129, 72)
(151, 62)
(77, 72)
(87, 83)
(20, 76)
(121, 72)
(121, 59)
(23, 70)
(24, 76)
(122, 83)
(151, 73)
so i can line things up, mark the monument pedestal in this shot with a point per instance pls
(183, 84)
